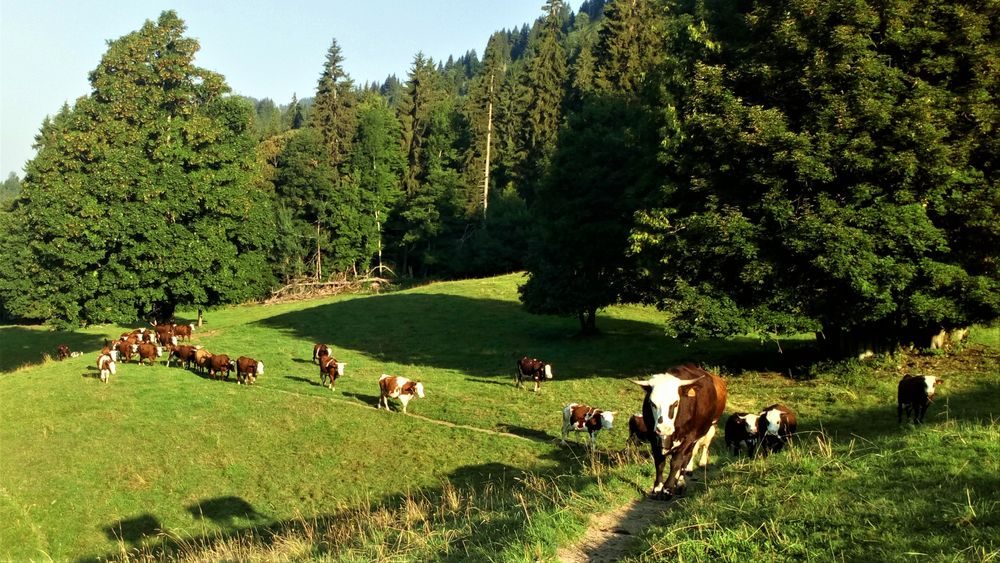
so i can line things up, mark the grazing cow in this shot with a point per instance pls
(125, 351)
(637, 430)
(320, 350)
(183, 353)
(201, 358)
(741, 432)
(681, 407)
(149, 352)
(219, 363)
(62, 352)
(581, 418)
(183, 332)
(247, 370)
(914, 394)
(775, 426)
(106, 364)
(534, 369)
(401, 388)
(330, 370)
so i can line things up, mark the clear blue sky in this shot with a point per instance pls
(264, 48)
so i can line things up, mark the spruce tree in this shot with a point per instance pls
(333, 110)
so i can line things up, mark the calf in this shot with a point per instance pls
(400, 388)
(330, 370)
(183, 332)
(320, 350)
(247, 370)
(62, 352)
(183, 353)
(532, 368)
(219, 363)
(741, 432)
(637, 431)
(107, 366)
(775, 426)
(914, 394)
(149, 352)
(201, 358)
(582, 418)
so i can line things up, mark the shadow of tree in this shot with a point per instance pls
(20, 346)
(225, 511)
(134, 530)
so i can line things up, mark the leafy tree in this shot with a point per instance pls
(140, 198)
(827, 166)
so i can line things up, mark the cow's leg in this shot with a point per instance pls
(706, 443)
(675, 480)
(659, 461)
(918, 413)
(565, 432)
(899, 413)
(537, 385)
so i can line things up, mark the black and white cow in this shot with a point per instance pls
(741, 432)
(775, 426)
(534, 369)
(914, 394)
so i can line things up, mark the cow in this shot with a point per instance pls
(637, 430)
(183, 332)
(330, 370)
(247, 370)
(775, 426)
(125, 350)
(582, 418)
(320, 350)
(201, 358)
(149, 352)
(183, 353)
(62, 352)
(681, 407)
(165, 334)
(914, 394)
(219, 363)
(532, 368)
(106, 364)
(741, 432)
(391, 386)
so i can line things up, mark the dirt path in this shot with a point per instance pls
(611, 535)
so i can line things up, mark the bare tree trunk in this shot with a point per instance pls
(201, 318)
(489, 138)
(319, 257)
(378, 227)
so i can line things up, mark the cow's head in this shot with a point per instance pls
(607, 420)
(663, 392)
(769, 424)
(159, 351)
(114, 355)
(750, 424)
(419, 387)
(929, 382)
(548, 371)
(260, 368)
(340, 368)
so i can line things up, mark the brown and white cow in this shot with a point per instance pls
(681, 407)
(914, 394)
(583, 418)
(149, 352)
(183, 332)
(106, 364)
(741, 432)
(532, 368)
(219, 364)
(165, 334)
(329, 370)
(183, 353)
(201, 358)
(775, 426)
(320, 350)
(247, 370)
(125, 350)
(395, 387)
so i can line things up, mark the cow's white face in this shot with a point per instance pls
(607, 420)
(159, 351)
(773, 421)
(750, 424)
(260, 368)
(548, 371)
(929, 382)
(340, 368)
(111, 367)
(665, 399)
(420, 390)
(114, 355)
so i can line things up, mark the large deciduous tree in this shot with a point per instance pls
(141, 196)
(836, 170)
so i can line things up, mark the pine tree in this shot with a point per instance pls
(141, 197)
(333, 111)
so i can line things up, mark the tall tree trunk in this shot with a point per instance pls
(489, 138)
(319, 256)
(588, 321)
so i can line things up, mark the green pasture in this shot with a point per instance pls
(163, 461)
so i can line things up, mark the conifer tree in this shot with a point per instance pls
(333, 110)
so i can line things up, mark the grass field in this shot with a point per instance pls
(162, 461)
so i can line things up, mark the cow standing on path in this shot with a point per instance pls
(681, 407)
(394, 387)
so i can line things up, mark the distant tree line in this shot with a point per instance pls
(768, 168)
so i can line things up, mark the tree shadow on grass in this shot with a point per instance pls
(20, 346)
(226, 511)
(134, 530)
(485, 337)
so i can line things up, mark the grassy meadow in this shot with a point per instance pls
(164, 463)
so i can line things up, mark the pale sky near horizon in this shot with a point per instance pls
(264, 48)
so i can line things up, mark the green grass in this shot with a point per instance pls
(163, 461)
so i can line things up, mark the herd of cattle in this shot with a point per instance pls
(680, 410)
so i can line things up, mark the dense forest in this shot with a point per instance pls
(768, 167)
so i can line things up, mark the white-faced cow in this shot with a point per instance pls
(149, 352)
(534, 369)
(247, 370)
(582, 418)
(319, 351)
(395, 387)
(775, 426)
(329, 370)
(741, 432)
(914, 394)
(183, 332)
(183, 354)
(681, 407)
(106, 364)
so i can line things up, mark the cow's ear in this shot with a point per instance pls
(644, 384)
(939, 382)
